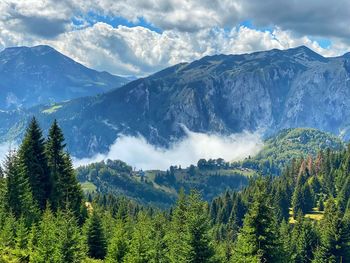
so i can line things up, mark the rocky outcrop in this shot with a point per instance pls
(265, 91)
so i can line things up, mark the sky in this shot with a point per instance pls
(140, 37)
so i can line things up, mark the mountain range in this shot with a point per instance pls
(263, 91)
(41, 75)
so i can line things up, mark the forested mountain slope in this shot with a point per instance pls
(266, 91)
(210, 177)
(301, 216)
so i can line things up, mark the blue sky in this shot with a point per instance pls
(141, 37)
(115, 21)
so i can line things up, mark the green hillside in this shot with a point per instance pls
(210, 177)
(293, 143)
(289, 144)
(301, 216)
(161, 188)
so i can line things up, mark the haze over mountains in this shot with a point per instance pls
(222, 94)
(41, 75)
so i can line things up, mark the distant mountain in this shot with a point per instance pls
(267, 91)
(41, 75)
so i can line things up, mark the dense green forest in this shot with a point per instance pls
(303, 215)
(210, 177)
(160, 188)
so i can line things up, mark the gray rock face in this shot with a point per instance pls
(223, 94)
(41, 75)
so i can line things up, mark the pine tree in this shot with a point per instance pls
(21, 234)
(281, 202)
(19, 198)
(159, 246)
(21, 240)
(118, 246)
(66, 194)
(258, 240)
(70, 187)
(54, 150)
(33, 164)
(285, 241)
(7, 233)
(70, 240)
(198, 227)
(141, 249)
(96, 240)
(178, 238)
(46, 246)
(303, 240)
(297, 200)
(335, 236)
(2, 196)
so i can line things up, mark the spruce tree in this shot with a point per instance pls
(96, 240)
(21, 234)
(198, 227)
(7, 233)
(118, 246)
(258, 239)
(178, 238)
(19, 198)
(298, 200)
(33, 163)
(54, 150)
(2, 196)
(46, 246)
(159, 247)
(285, 241)
(71, 246)
(141, 248)
(66, 194)
(281, 202)
(335, 236)
(303, 240)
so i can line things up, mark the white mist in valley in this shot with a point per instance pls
(140, 154)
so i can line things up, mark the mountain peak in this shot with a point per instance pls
(38, 47)
(303, 50)
(346, 55)
(43, 48)
(36, 50)
(42, 75)
(304, 53)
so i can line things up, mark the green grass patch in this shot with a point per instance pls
(313, 215)
(52, 109)
(88, 187)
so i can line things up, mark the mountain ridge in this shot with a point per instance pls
(224, 94)
(42, 75)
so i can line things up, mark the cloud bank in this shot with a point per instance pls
(136, 151)
(187, 30)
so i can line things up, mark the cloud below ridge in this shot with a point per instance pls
(136, 151)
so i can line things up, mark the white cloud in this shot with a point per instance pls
(136, 151)
(140, 51)
(191, 29)
(313, 17)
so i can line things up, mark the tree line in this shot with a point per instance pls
(301, 216)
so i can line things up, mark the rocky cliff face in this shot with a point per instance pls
(41, 75)
(265, 91)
